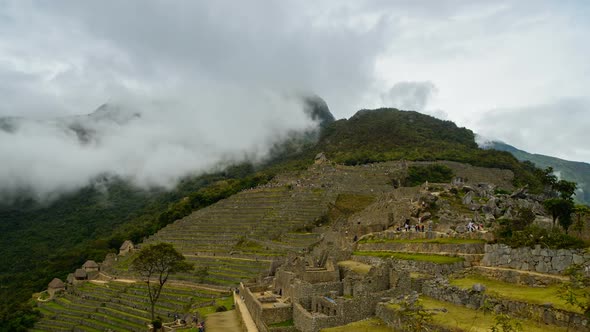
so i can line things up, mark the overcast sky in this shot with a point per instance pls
(516, 71)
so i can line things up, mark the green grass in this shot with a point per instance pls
(469, 320)
(437, 259)
(367, 325)
(283, 324)
(225, 301)
(535, 295)
(446, 240)
(351, 203)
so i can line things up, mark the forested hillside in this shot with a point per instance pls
(42, 242)
(575, 171)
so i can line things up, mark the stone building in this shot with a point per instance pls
(80, 274)
(126, 248)
(55, 286)
(90, 266)
(317, 293)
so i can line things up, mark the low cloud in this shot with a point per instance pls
(151, 144)
(413, 96)
(558, 129)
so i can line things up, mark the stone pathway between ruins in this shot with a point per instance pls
(224, 322)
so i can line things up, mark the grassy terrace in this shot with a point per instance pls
(469, 320)
(357, 267)
(121, 306)
(447, 240)
(535, 295)
(437, 259)
(367, 325)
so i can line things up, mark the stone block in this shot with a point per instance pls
(541, 267)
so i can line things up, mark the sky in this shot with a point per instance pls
(217, 80)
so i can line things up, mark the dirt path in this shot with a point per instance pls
(231, 257)
(534, 273)
(227, 321)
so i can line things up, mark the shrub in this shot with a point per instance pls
(433, 173)
(533, 235)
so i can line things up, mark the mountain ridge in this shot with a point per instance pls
(576, 171)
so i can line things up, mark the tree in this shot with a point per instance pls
(562, 209)
(581, 212)
(566, 189)
(158, 261)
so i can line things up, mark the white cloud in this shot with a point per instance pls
(210, 77)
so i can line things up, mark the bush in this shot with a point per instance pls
(533, 235)
(220, 308)
(433, 173)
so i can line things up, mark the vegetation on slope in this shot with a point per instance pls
(42, 242)
(578, 172)
(389, 134)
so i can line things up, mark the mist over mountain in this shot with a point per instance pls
(150, 144)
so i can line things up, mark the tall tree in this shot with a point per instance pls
(157, 262)
(560, 209)
(581, 212)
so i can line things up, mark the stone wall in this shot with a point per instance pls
(303, 291)
(449, 248)
(306, 322)
(262, 315)
(440, 289)
(554, 261)
(518, 277)
(413, 266)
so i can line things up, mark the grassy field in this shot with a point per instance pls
(469, 320)
(224, 301)
(446, 240)
(536, 295)
(437, 259)
(357, 267)
(367, 325)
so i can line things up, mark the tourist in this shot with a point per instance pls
(471, 226)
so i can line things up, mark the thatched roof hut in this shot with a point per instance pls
(80, 274)
(56, 283)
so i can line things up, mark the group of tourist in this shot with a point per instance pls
(407, 227)
(472, 227)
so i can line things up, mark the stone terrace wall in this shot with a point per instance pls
(306, 322)
(413, 266)
(440, 289)
(554, 261)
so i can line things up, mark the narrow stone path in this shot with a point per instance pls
(227, 321)
(534, 273)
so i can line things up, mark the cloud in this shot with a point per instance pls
(559, 128)
(409, 95)
(150, 144)
(213, 78)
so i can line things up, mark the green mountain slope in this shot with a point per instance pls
(390, 134)
(578, 172)
(42, 242)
